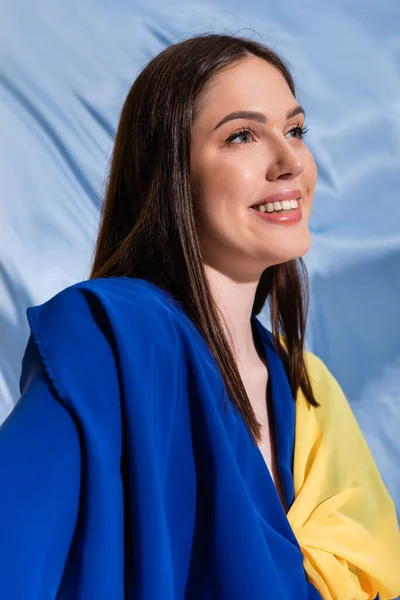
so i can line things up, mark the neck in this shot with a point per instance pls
(235, 302)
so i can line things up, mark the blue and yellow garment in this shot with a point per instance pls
(123, 476)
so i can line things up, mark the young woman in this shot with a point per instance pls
(166, 445)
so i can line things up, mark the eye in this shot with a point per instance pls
(298, 131)
(241, 134)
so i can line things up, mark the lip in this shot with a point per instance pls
(293, 194)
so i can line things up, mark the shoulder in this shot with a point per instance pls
(87, 328)
(318, 372)
(326, 388)
(334, 410)
(112, 292)
(105, 304)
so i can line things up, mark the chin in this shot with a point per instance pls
(288, 252)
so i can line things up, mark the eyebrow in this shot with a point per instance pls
(256, 116)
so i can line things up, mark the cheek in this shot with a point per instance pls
(222, 190)
(227, 181)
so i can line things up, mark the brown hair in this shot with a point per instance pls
(148, 227)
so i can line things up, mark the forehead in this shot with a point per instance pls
(250, 84)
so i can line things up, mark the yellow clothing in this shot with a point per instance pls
(343, 516)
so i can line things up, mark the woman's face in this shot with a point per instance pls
(232, 171)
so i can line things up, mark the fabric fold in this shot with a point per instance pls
(343, 516)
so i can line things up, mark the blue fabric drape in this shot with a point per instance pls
(139, 483)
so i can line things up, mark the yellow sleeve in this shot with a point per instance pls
(343, 516)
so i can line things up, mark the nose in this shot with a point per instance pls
(287, 162)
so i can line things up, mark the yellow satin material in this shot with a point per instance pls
(343, 516)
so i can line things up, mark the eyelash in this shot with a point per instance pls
(302, 129)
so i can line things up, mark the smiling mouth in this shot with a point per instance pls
(275, 214)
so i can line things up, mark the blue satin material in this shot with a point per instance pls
(121, 449)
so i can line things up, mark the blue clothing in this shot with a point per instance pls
(124, 476)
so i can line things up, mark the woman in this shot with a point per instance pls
(157, 451)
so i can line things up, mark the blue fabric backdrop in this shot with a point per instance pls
(65, 70)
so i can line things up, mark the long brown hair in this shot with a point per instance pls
(148, 229)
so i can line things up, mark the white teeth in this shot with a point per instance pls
(277, 206)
